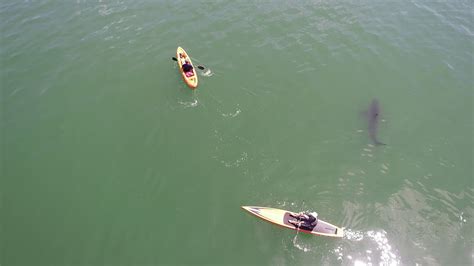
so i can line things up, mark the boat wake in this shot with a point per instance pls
(300, 246)
(189, 104)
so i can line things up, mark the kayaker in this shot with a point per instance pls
(309, 220)
(313, 218)
(301, 224)
(187, 67)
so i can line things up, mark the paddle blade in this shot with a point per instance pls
(201, 67)
(174, 58)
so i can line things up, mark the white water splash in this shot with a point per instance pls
(300, 246)
(236, 113)
(237, 162)
(190, 104)
(207, 73)
(461, 218)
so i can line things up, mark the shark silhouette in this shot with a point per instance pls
(373, 116)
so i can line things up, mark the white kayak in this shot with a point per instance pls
(281, 217)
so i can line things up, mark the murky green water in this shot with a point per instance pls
(109, 159)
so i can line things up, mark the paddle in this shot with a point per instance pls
(199, 66)
(299, 224)
(297, 227)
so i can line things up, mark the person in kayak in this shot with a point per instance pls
(187, 67)
(305, 220)
(301, 225)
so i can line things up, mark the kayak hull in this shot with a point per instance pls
(281, 217)
(190, 80)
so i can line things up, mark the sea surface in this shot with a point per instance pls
(107, 158)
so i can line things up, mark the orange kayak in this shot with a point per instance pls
(190, 77)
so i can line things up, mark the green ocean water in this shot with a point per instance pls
(109, 159)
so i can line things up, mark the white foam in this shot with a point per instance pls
(299, 246)
(237, 162)
(207, 73)
(190, 104)
(236, 113)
